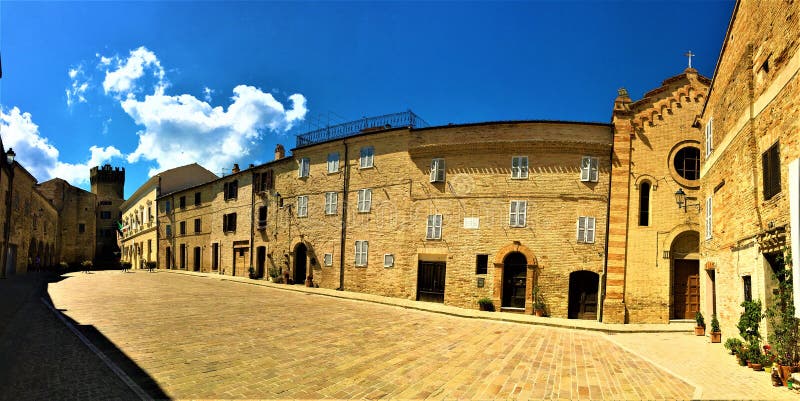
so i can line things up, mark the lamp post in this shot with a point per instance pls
(7, 231)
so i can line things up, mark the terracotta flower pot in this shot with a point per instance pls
(716, 337)
(785, 372)
(539, 312)
(756, 366)
(699, 330)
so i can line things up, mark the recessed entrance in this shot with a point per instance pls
(300, 268)
(583, 287)
(261, 257)
(169, 257)
(197, 252)
(685, 289)
(514, 280)
(430, 281)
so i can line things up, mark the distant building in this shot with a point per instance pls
(139, 226)
(108, 183)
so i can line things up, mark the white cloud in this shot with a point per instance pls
(207, 94)
(39, 156)
(76, 92)
(183, 129)
(122, 80)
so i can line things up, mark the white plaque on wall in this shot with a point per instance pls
(471, 223)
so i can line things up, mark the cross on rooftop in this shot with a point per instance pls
(690, 55)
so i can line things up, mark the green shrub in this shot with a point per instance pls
(698, 317)
(714, 324)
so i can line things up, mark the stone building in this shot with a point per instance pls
(749, 196)
(76, 222)
(32, 224)
(139, 241)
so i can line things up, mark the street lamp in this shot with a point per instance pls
(681, 200)
(6, 234)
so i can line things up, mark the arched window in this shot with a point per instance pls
(644, 204)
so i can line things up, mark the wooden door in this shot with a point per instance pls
(685, 289)
(430, 281)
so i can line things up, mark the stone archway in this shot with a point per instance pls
(530, 263)
(685, 275)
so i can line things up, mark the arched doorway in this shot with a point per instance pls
(685, 275)
(169, 257)
(583, 286)
(514, 280)
(300, 252)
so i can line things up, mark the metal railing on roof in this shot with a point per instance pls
(404, 119)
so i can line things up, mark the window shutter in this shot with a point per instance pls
(437, 219)
(429, 234)
(512, 214)
(590, 222)
(593, 169)
(523, 167)
(522, 207)
(581, 229)
(709, 217)
(224, 191)
(433, 170)
(224, 222)
(775, 170)
(585, 166)
(233, 221)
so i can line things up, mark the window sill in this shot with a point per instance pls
(366, 168)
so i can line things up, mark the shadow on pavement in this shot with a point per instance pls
(41, 358)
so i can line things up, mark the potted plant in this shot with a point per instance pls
(252, 273)
(87, 266)
(486, 304)
(733, 345)
(309, 281)
(538, 304)
(700, 329)
(716, 335)
(784, 338)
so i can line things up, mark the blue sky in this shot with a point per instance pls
(153, 85)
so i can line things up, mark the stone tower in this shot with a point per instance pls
(108, 183)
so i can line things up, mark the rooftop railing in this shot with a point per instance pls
(404, 119)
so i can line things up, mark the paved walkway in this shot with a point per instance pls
(40, 358)
(200, 337)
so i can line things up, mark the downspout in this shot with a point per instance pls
(252, 218)
(345, 188)
(158, 229)
(608, 228)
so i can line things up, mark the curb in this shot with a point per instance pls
(464, 313)
(114, 368)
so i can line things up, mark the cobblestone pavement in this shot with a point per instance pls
(716, 373)
(204, 338)
(40, 358)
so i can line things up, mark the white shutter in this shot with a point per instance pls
(512, 214)
(590, 229)
(429, 233)
(367, 200)
(523, 167)
(437, 226)
(593, 169)
(585, 167)
(522, 207)
(581, 229)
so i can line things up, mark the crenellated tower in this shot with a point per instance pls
(107, 181)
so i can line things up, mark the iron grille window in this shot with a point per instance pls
(519, 167)
(481, 264)
(327, 259)
(771, 169)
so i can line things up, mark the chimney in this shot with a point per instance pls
(251, 165)
(235, 169)
(280, 152)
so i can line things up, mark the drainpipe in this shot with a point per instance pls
(345, 188)
(252, 217)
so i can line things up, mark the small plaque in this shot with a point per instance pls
(481, 282)
(471, 223)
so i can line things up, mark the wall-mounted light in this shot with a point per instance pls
(682, 200)
(10, 155)
(665, 255)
